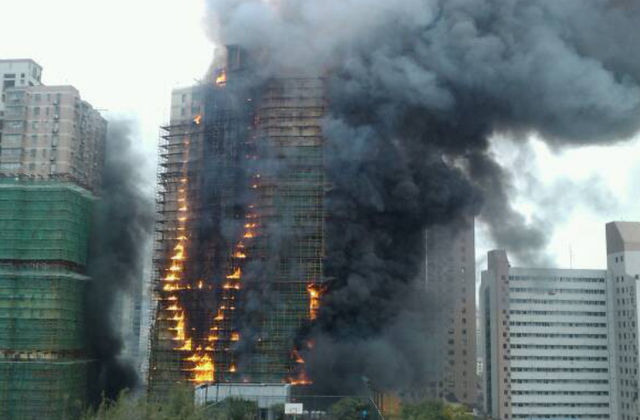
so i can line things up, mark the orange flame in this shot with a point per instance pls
(297, 356)
(236, 274)
(186, 346)
(204, 369)
(197, 119)
(315, 293)
(221, 79)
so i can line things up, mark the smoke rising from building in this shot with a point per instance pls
(413, 86)
(122, 226)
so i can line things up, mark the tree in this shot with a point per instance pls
(423, 410)
(239, 409)
(179, 405)
(434, 410)
(457, 412)
(349, 409)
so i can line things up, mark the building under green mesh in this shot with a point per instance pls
(44, 232)
(44, 221)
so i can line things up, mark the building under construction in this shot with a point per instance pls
(240, 231)
(44, 365)
(51, 158)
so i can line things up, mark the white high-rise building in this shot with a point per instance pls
(546, 343)
(623, 263)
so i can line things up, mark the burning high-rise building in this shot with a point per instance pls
(240, 238)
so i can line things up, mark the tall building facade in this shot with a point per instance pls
(49, 131)
(451, 278)
(547, 340)
(623, 265)
(240, 246)
(16, 73)
(50, 164)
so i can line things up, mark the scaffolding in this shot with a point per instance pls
(35, 390)
(240, 211)
(41, 311)
(44, 221)
(290, 204)
(44, 233)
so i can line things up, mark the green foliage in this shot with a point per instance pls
(456, 412)
(179, 405)
(278, 411)
(239, 409)
(434, 410)
(349, 409)
(423, 410)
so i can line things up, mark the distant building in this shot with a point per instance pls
(21, 72)
(546, 338)
(50, 132)
(16, 73)
(51, 151)
(451, 278)
(623, 263)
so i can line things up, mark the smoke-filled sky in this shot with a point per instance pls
(126, 56)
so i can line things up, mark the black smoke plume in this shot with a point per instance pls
(123, 221)
(417, 88)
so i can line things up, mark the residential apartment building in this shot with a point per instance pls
(21, 72)
(623, 263)
(50, 132)
(546, 343)
(17, 73)
(451, 277)
(51, 152)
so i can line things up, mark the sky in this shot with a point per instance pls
(126, 56)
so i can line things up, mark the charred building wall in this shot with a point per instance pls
(240, 242)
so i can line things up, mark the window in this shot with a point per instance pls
(36, 111)
(10, 166)
(33, 152)
(38, 97)
(32, 166)
(14, 152)
(35, 125)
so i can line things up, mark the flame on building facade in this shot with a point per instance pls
(231, 228)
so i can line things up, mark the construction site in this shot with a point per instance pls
(239, 244)
(44, 234)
